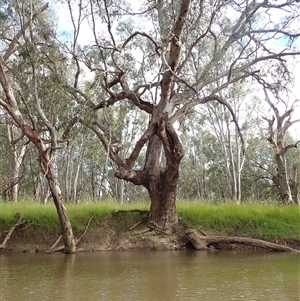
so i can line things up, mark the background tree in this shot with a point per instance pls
(278, 126)
(31, 50)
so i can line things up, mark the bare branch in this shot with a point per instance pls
(157, 47)
(13, 45)
(139, 145)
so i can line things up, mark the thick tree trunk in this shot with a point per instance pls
(162, 180)
(160, 177)
(281, 180)
(294, 185)
(162, 191)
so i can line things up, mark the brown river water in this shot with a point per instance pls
(155, 276)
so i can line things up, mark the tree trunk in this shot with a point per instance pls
(68, 174)
(281, 179)
(162, 192)
(283, 122)
(294, 185)
(160, 177)
(66, 228)
(17, 160)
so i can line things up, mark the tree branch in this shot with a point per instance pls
(13, 45)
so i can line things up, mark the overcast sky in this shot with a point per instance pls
(64, 24)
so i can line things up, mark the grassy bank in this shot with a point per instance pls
(253, 220)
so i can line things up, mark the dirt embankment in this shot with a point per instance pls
(98, 237)
(123, 236)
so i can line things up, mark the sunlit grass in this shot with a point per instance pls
(44, 216)
(253, 220)
(261, 221)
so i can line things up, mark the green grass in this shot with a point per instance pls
(253, 220)
(44, 217)
(260, 221)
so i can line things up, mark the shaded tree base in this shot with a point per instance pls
(202, 242)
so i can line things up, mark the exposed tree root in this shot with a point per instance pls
(53, 248)
(202, 242)
(20, 221)
(142, 230)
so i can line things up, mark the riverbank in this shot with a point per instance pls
(112, 226)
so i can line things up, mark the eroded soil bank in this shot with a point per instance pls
(111, 234)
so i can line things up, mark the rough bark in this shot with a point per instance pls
(163, 184)
(281, 180)
(202, 242)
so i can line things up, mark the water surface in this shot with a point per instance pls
(155, 276)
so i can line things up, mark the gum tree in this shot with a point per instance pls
(29, 79)
(165, 58)
(278, 127)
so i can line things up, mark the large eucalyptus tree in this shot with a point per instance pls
(165, 58)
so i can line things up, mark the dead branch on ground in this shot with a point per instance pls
(20, 221)
(84, 232)
(53, 248)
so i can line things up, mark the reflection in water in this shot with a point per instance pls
(155, 276)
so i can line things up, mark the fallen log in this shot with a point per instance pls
(20, 221)
(203, 242)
